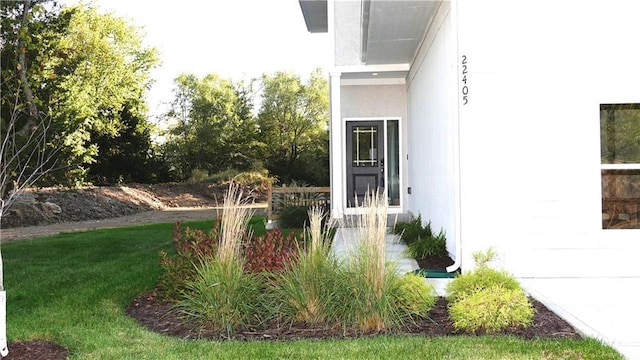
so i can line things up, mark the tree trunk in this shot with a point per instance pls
(22, 72)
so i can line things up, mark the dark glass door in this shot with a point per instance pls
(365, 159)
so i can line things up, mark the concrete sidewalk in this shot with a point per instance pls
(602, 308)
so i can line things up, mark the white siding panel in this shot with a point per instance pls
(432, 134)
(530, 141)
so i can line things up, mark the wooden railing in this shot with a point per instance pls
(278, 197)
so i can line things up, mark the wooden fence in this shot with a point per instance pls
(279, 197)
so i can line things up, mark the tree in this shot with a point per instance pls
(293, 124)
(27, 151)
(84, 69)
(128, 156)
(213, 127)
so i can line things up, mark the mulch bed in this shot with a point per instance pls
(160, 317)
(36, 350)
(435, 262)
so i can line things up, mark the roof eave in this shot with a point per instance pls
(315, 15)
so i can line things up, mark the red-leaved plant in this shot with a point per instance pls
(271, 252)
(192, 247)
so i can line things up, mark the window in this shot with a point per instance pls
(620, 159)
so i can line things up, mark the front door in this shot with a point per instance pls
(365, 159)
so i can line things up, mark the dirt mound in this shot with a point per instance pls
(44, 206)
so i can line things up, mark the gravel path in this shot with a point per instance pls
(147, 217)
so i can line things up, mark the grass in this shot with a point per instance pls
(73, 289)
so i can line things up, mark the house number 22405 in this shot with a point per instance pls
(465, 87)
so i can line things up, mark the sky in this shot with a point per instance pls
(237, 39)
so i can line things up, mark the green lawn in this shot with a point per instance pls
(73, 289)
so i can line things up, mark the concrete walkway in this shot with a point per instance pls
(603, 308)
(346, 242)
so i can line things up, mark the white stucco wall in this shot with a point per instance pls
(432, 132)
(348, 43)
(529, 135)
(384, 101)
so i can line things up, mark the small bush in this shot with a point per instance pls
(415, 295)
(223, 297)
(420, 240)
(198, 175)
(259, 179)
(306, 292)
(491, 310)
(369, 302)
(293, 217)
(271, 252)
(191, 247)
(487, 300)
(293, 206)
(480, 279)
(413, 230)
(428, 246)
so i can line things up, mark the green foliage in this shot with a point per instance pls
(89, 72)
(309, 292)
(271, 252)
(431, 246)
(413, 230)
(293, 217)
(72, 289)
(293, 122)
(487, 300)
(420, 240)
(492, 309)
(128, 156)
(482, 278)
(213, 129)
(198, 175)
(306, 292)
(293, 206)
(415, 295)
(223, 297)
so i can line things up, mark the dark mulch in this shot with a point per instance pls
(435, 262)
(159, 317)
(36, 350)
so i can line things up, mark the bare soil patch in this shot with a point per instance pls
(48, 211)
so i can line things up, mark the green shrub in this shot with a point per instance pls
(306, 292)
(293, 206)
(198, 175)
(428, 246)
(480, 279)
(420, 240)
(259, 179)
(309, 291)
(414, 295)
(223, 297)
(491, 310)
(413, 230)
(191, 247)
(293, 217)
(370, 291)
(487, 300)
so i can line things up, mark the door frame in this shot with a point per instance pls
(396, 209)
